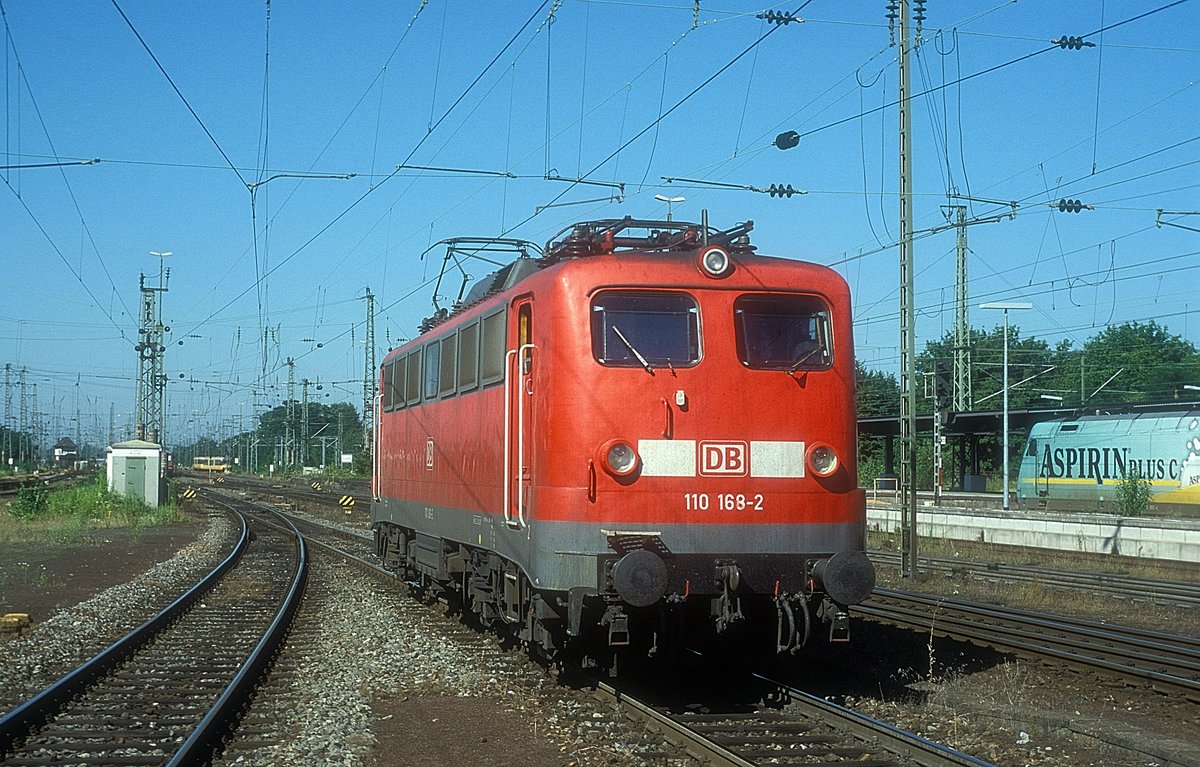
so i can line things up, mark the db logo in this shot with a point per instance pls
(726, 459)
(429, 454)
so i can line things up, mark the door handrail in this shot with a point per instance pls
(521, 440)
(509, 367)
(376, 463)
(508, 433)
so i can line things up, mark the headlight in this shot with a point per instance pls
(620, 458)
(715, 262)
(822, 460)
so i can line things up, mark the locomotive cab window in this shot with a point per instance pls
(449, 367)
(432, 370)
(386, 388)
(783, 332)
(644, 329)
(412, 379)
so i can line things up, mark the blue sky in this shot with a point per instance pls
(361, 87)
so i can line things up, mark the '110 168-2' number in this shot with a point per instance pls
(722, 501)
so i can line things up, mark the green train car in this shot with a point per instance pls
(1078, 462)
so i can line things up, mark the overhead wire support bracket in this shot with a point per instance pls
(552, 175)
(774, 190)
(1010, 215)
(468, 171)
(256, 184)
(610, 198)
(26, 166)
(1159, 213)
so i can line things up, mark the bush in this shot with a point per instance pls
(31, 502)
(87, 503)
(1133, 492)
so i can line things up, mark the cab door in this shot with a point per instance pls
(519, 417)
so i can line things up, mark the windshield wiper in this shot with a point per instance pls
(636, 353)
(804, 359)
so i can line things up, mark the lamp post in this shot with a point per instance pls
(1005, 305)
(669, 201)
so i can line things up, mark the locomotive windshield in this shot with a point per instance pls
(644, 329)
(783, 332)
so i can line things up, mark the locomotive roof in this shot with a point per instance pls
(579, 240)
(1114, 418)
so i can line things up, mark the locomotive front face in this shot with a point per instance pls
(698, 429)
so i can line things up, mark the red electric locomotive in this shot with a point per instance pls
(642, 433)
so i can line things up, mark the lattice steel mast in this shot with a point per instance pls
(149, 412)
(369, 375)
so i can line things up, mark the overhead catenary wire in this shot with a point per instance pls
(411, 153)
(10, 47)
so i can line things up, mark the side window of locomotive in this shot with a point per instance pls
(396, 383)
(635, 329)
(412, 379)
(448, 360)
(432, 369)
(468, 357)
(491, 358)
(386, 387)
(783, 332)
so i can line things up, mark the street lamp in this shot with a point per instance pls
(160, 255)
(1005, 305)
(669, 201)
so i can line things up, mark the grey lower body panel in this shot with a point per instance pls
(560, 555)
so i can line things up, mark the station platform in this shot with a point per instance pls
(1149, 537)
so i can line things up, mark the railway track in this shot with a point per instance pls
(795, 726)
(1124, 586)
(172, 689)
(11, 486)
(1169, 663)
(806, 726)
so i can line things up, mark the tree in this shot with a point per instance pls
(1150, 364)
(1028, 358)
(877, 393)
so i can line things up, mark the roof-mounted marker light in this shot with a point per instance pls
(715, 262)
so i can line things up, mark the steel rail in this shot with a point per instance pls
(1132, 587)
(692, 741)
(36, 711)
(1162, 659)
(222, 717)
(764, 743)
(915, 748)
(921, 750)
(218, 721)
